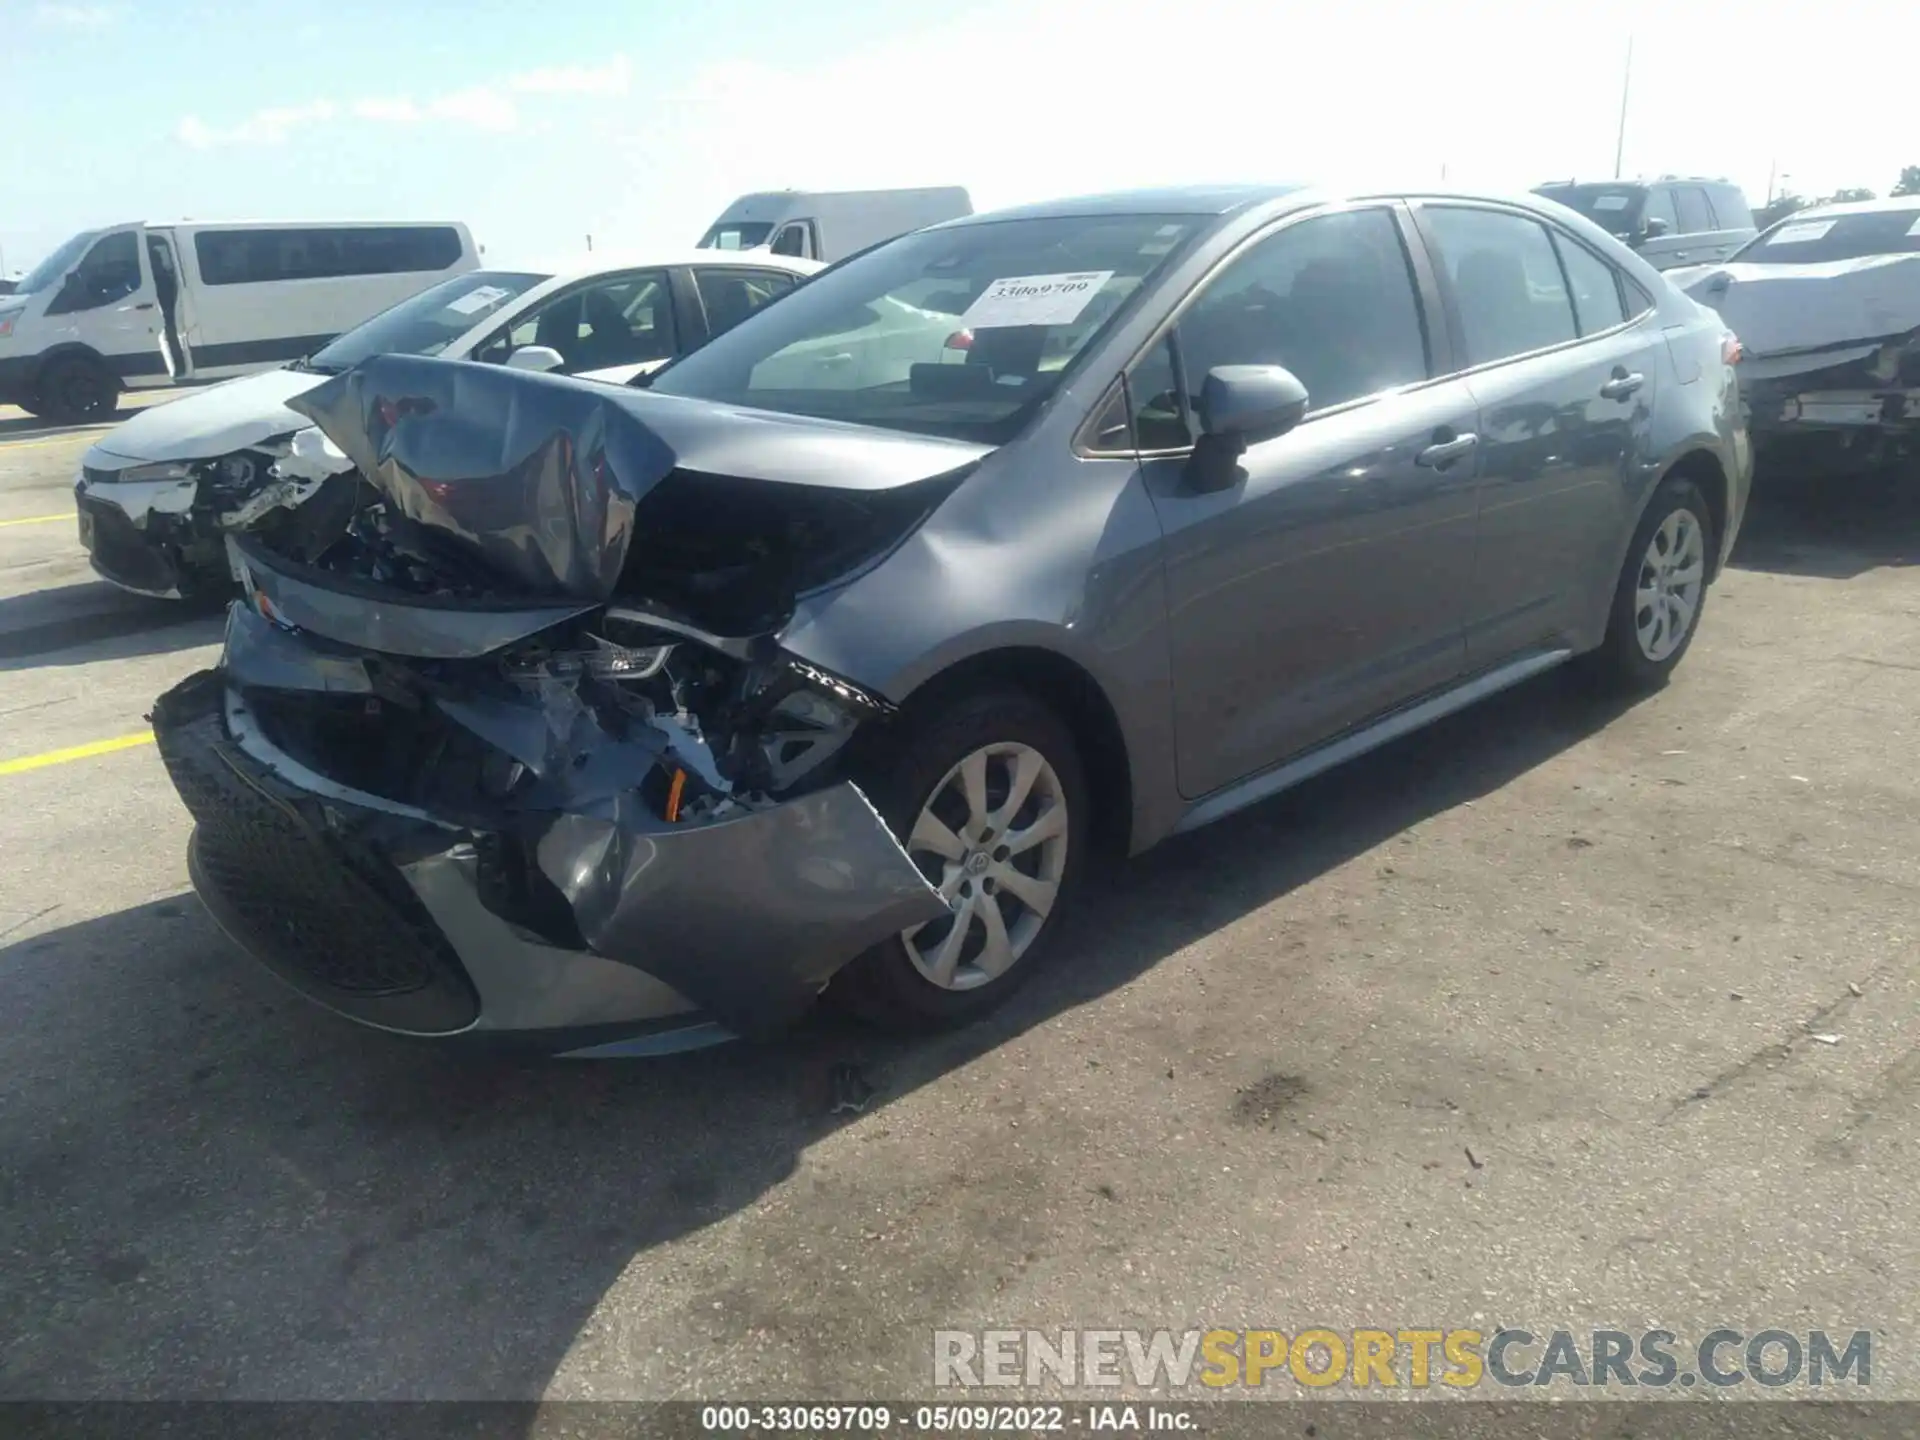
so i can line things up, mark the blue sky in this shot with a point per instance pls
(539, 124)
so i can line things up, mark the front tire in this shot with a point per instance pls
(1661, 592)
(989, 799)
(75, 390)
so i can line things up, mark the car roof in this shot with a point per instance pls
(586, 266)
(1893, 205)
(1168, 200)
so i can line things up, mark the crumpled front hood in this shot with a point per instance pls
(207, 424)
(1777, 309)
(539, 477)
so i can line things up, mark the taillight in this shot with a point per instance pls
(960, 340)
(1730, 351)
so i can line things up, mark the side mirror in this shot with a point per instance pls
(1251, 402)
(1653, 227)
(536, 357)
(1241, 405)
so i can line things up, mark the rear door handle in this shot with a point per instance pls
(845, 357)
(1621, 386)
(1442, 454)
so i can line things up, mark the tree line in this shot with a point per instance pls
(1786, 202)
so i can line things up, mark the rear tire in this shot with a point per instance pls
(74, 390)
(1661, 592)
(1010, 870)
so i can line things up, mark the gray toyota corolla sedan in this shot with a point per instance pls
(628, 720)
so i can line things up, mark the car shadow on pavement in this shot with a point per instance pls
(228, 1190)
(1831, 527)
(92, 621)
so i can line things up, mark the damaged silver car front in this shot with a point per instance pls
(517, 748)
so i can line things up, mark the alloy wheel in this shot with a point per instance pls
(1667, 594)
(992, 839)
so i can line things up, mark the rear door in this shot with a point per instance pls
(1326, 585)
(728, 294)
(1564, 371)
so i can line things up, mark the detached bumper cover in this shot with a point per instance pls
(396, 917)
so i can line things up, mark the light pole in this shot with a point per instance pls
(1626, 88)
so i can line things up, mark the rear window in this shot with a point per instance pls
(1816, 239)
(255, 257)
(1616, 209)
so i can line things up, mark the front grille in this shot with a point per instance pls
(332, 917)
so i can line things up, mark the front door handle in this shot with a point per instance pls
(1621, 386)
(1444, 452)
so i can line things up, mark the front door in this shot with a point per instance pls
(107, 304)
(1565, 383)
(1326, 585)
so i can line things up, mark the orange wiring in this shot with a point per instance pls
(673, 796)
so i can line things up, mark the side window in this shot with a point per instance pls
(1730, 211)
(621, 320)
(730, 295)
(1596, 288)
(1330, 298)
(1638, 301)
(110, 272)
(1506, 280)
(253, 257)
(1660, 207)
(792, 240)
(1159, 423)
(1691, 202)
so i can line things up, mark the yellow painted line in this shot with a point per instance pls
(38, 519)
(66, 439)
(75, 752)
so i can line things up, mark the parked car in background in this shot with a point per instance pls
(158, 495)
(830, 225)
(1827, 306)
(637, 718)
(149, 304)
(1669, 222)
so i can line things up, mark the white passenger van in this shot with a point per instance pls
(831, 225)
(148, 304)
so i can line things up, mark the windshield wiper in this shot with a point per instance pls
(306, 366)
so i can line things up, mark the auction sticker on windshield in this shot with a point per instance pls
(477, 300)
(1799, 234)
(1034, 300)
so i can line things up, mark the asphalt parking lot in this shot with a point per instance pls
(1559, 1015)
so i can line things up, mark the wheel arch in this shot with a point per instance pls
(1071, 691)
(1702, 467)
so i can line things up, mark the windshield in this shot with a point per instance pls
(736, 236)
(959, 332)
(428, 322)
(57, 264)
(1813, 239)
(1614, 208)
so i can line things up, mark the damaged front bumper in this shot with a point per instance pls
(159, 529)
(585, 924)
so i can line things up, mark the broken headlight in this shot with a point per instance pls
(603, 661)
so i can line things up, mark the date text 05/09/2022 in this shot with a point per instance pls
(964, 1419)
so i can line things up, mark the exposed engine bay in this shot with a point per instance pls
(521, 637)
